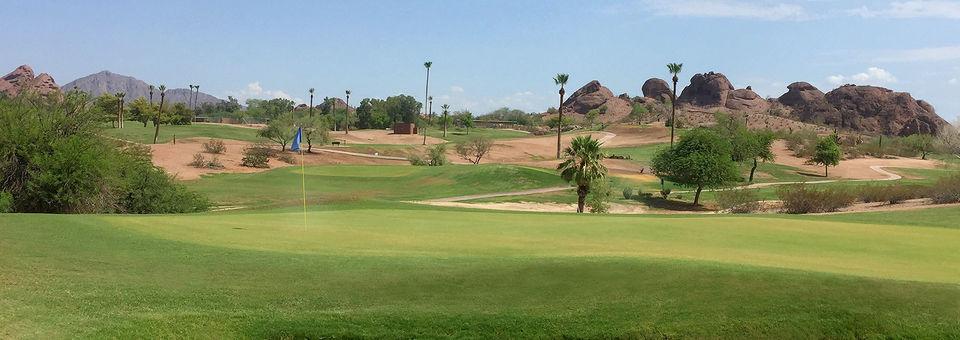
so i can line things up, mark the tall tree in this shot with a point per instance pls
(674, 69)
(701, 159)
(561, 79)
(426, 91)
(120, 119)
(190, 97)
(346, 115)
(311, 101)
(583, 164)
(151, 87)
(446, 111)
(196, 96)
(156, 120)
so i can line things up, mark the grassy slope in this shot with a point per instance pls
(134, 131)
(389, 273)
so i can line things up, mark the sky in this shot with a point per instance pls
(490, 54)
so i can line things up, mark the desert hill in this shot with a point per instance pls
(109, 82)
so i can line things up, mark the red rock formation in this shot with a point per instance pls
(595, 96)
(22, 80)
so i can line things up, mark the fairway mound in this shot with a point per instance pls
(615, 208)
(381, 137)
(175, 158)
(636, 135)
(866, 168)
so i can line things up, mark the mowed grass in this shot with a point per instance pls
(136, 132)
(428, 273)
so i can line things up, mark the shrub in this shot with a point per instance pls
(803, 199)
(256, 156)
(599, 197)
(214, 146)
(286, 158)
(627, 193)
(438, 155)
(201, 162)
(665, 193)
(891, 194)
(615, 156)
(6, 202)
(738, 201)
(474, 149)
(416, 160)
(946, 190)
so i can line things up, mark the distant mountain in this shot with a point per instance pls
(109, 82)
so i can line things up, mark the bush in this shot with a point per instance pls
(201, 162)
(438, 155)
(665, 193)
(256, 156)
(891, 194)
(803, 199)
(946, 190)
(738, 201)
(416, 160)
(627, 193)
(6, 202)
(286, 158)
(599, 197)
(615, 156)
(214, 146)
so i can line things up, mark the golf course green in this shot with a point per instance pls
(368, 264)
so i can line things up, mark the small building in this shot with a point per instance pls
(405, 128)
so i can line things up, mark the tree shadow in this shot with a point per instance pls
(668, 204)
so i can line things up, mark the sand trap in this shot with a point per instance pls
(858, 168)
(174, 158)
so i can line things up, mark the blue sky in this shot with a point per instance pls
(489, 54)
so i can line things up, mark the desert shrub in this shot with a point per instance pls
(802, 142)
(627, 193)
(214, 146)
(738, 201)
(616, 156)
(286, 158)
(665, 193)
(199, 161)
(6, 202)
(891, 194)
(438, 155)
(256, 156)
(946, 190)
(416, 160)
(598, 200)
(804, 199)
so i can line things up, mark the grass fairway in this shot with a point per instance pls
(136, 132)
(369, 266)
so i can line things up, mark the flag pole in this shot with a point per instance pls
(303, 189)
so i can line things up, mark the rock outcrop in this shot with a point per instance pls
(22, 80)
(880, 110)
(713, 89)
(595, 96)
(657, 88)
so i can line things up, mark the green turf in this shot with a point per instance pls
(136, 132)
(459, 135)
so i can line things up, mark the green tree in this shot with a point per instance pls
(827, 153)
(674, 69)
(746, 145)
(639, 112)
(701, 159)
(561, 80)
(922, 144)
(582, 165)
(315, 131)
(280, 130)
(402, 108)
(105, 108)
(141, 110)
(463, 119)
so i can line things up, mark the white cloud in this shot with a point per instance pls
(726, 9)
(920, 54)
(456, 89)
(912, 9)
(256, 91)
(953, 81)
(873, 76)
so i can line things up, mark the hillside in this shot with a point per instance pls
(109, 82)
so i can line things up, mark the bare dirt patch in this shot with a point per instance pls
(858, 168)
(381, 137)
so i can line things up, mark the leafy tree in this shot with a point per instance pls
(746, 145)
(180, 114)
(640, 113)
(827, 153)
(561, 80)
(372, 114)
(463, 119)
(921, 144)
(474, 149)
(141, 110)
(582, 166)
(402, 108)
(555, 122)
(701, 159)
(280, 130)
(105, 107)
(674, 69)
(592, 116)
(315, 131)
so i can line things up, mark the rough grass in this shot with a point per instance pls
(135, 132)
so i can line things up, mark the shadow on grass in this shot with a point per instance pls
(672, 205)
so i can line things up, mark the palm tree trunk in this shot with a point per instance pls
(673, 112)
(696, 198)
(826, 171)
(582, 192)
(754, 168)
(426, 92)
(445, 125)
(311, 105)
(156, 121)
(346, 118)
(559, 121)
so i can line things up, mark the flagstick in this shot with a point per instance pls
(303, 190)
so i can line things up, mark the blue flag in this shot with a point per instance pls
(295, 146)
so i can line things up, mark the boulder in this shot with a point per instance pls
(657, 88)
(594, 96)
(7, 89)
(745, 100)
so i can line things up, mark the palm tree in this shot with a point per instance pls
(196, 96)
(426, 91)
(560, 79)
(311, 101)
(430, 108)
(156, 120)
(190, 98)
(583, 164)
(446, 110)
(120, 96)
(674, 70)
(151, 103)
(346, 124)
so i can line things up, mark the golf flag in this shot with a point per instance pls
(295, 146)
